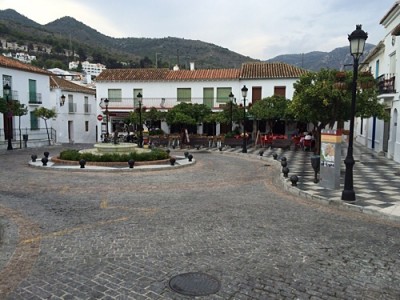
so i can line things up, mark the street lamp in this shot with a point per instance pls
(244, 94)
(231, 98)
(140, 98)
(106, 101)
(62, 102)
(357, 42)
(6, 91)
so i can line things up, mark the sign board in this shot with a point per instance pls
(330, 158)
(100, 117)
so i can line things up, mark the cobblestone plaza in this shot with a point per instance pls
(101, 235)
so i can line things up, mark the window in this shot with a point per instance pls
(33, 96)
(208, 97)
(71, 104)
(115, 95)
(34, 121)
(280, 91)
(86, 106)
(7, 80)
(86, 126)
(223, 94)
(184, 94)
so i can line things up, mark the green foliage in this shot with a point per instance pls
(45, 113)
(156, 132)
(318, 99)
(14, 106)
(188, 114)
(154, 154)
(270, 108)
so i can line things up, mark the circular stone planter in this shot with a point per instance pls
(57, 160)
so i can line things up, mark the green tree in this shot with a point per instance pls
(187, 114)
(19, 111)
(45, 114)
(270, 109)
(322, 99)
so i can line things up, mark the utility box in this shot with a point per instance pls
(331, 146)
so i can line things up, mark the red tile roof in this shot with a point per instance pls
(57, 82)
(11, 63)
(247, 71)
(205, 74)
(132, 75)
(270, 70)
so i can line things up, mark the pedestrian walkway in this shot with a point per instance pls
(376, 178)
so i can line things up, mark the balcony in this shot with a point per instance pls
(35, 98)
(71, 108)
(386, 84)
(87, 108)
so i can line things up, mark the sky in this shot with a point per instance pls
(260, 29)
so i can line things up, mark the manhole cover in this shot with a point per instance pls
(194, 284)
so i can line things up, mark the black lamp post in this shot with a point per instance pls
(6, 91)
(140, 98)
(231, 99)
(244, 94)
(357, 42)
(62, 100)
(106, 101)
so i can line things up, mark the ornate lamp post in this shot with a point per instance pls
(140, 98)
(6, 91)
(357, 42)
(244, 94)
(231, 99)
(106, 101)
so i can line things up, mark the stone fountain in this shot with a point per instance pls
(121, 148)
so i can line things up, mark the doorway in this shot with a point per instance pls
(71, 131)
(386, 133)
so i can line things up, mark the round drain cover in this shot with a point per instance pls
(194, 284)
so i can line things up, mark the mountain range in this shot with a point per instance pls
(88, 43)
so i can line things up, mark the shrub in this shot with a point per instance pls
(154, 154)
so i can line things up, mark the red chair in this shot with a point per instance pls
(307, 145)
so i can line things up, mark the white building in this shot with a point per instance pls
(163, 88)
(35, 88)
(383, 137)
(88, 68)
(76, 106)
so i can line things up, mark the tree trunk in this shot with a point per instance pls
(47, 130)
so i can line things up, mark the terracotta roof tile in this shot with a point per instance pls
(203, 74)
(16, 64)
(270, 70)
(57, 82)
(132, 74)
(247, 71)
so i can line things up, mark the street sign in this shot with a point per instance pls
(100, 117)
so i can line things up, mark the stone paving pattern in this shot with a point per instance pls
(125, 235)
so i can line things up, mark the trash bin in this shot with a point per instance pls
(25, 139)
(315, 163)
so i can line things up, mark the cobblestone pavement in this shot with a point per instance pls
(125, 235)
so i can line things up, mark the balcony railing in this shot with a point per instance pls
(87, 108)
(35, 98)
(386, 84)
(159, 103)
(71, 108)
